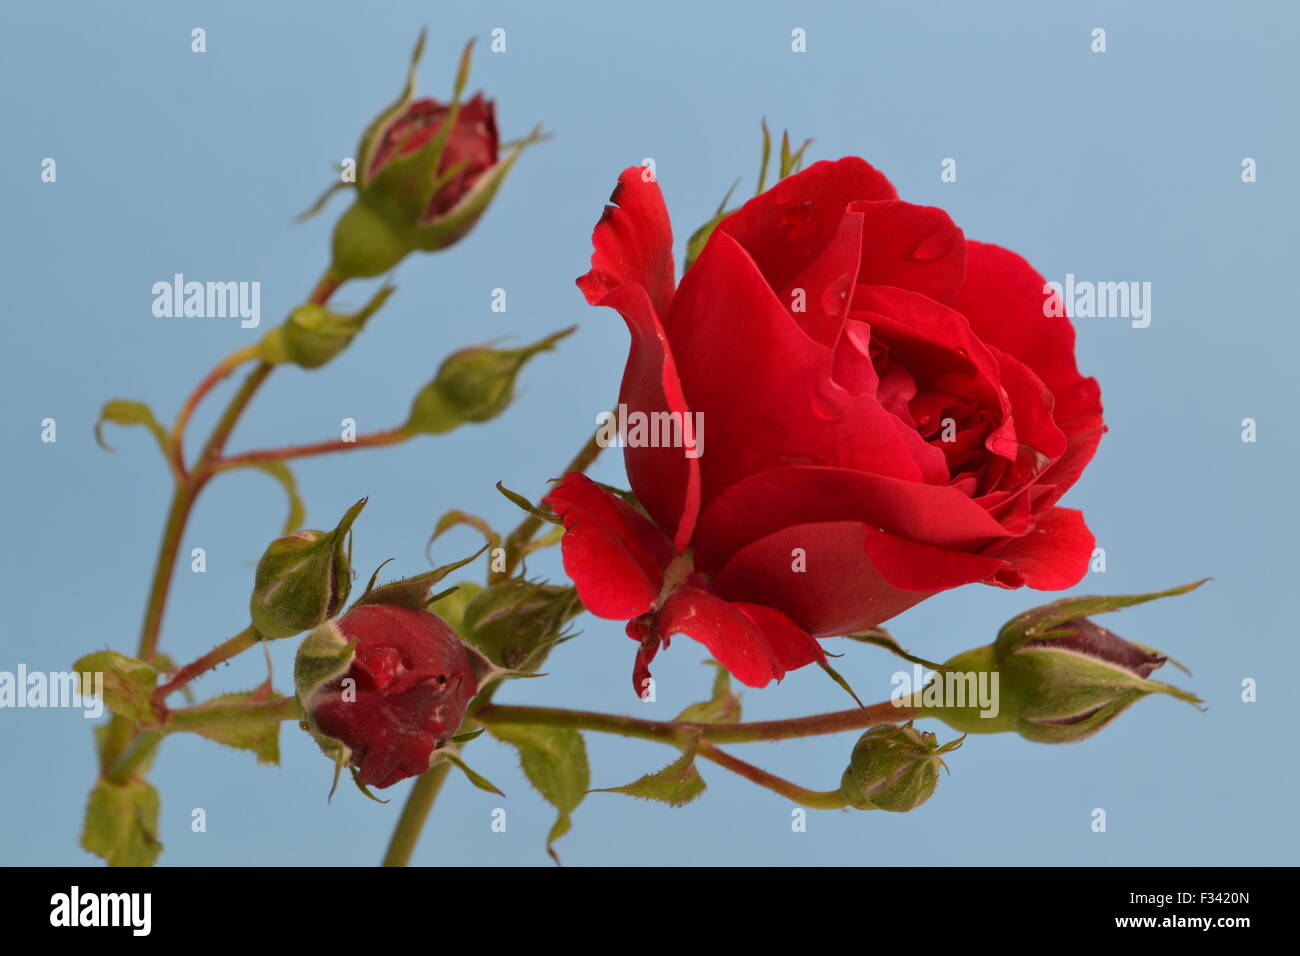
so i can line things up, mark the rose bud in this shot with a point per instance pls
(893, 410)
(314, 334)
(472, 385)
(426, 172)
(516, 622)
(893, 768)
(1060, 678)
(302, 580)
(382, 688)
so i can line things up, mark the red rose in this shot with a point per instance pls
(470, 150)
(890, 413)
(413, 681)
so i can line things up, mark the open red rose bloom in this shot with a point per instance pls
(890, 413)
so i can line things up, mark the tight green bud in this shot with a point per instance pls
(893, 768)
(515, 622)
(472, 385)
(302, 580)
(1062, 677)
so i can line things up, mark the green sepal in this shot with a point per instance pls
(879, 637)
(1037, 623)
(524, 504)
(414, 591)
(324, 655)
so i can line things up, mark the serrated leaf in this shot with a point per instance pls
(722, 708)
(262, 739)
(121, 824)
(128, 683)
(121, 411)
(554, 759)
(676, 784)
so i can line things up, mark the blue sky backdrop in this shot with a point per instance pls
(1122, 166)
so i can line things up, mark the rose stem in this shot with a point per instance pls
(391, 436)
(857, 718)
(817, 799)
(187, 490)
(427, 786)
(218, 655)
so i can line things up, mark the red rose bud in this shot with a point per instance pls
(383, 687)
(426, 172)
(302, 579)
(893, 768)
(472, 385)
(1061, 679)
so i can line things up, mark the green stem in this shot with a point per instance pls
(817, 799)
(858, 718)
(138, 751)
(414, 812)
(218, 655)
(205, 716)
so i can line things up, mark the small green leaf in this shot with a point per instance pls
(121, 411)
(554, 759)
(722, 708)
(127, 684)
(262, 739)
(676, 784)
(121, 823)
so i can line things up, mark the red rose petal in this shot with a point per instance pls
(765, 388)
(1052, 557)
(771, 500)
(633, 242)
(613, 555)
(786, 228)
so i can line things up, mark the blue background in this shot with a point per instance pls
(1116, 166)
